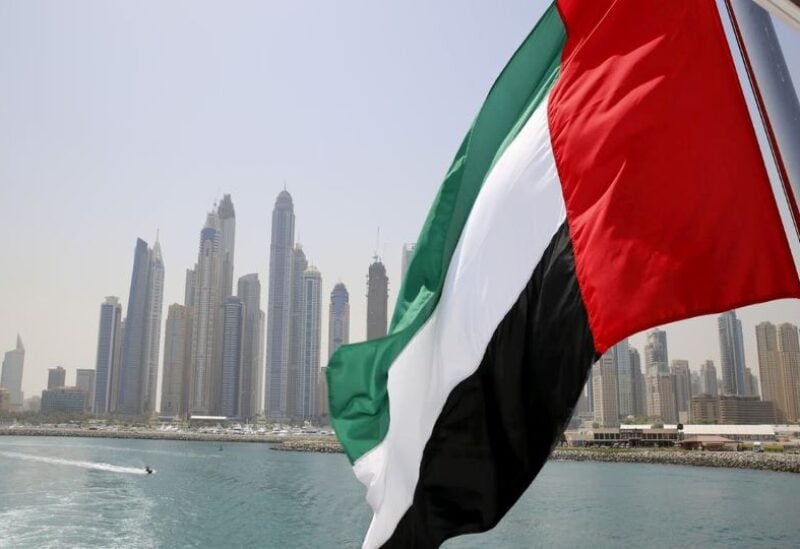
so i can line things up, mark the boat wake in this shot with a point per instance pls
(99, 466)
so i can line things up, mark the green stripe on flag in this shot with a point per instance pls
(357, 374)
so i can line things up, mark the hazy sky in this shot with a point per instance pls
(121, 118)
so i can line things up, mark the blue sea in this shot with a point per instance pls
(73, 492)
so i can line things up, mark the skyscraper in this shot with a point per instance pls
(683, 387)
(656, 357)
(751, 383)
(141, 337)
(310, 344)
(109, 347)
(621, 356)
(250, 396)
(377, 300)
(338, 335)
(11, 375)
(338, 318)
(175, 375)
(638, 383)
(405, 259)
(56, 377)
(294, 366)
(731, 350)
(153, 341)
(227, 219)
(708, 378)
(604, 385)
(656, 360)
(789, 347)
(84, 381)
(205, 314)
(232, 356)
(278, 308)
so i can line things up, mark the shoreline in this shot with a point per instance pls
(766, 461)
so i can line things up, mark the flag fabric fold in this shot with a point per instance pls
(612, 181)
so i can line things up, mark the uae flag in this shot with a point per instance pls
(611, 182)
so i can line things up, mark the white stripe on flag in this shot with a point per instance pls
(517, 213)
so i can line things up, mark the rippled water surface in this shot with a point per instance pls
(62, 492)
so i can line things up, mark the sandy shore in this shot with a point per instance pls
(150, 434)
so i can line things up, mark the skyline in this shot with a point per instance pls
(94, 155)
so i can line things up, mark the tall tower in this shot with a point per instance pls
(789, 346)
(249, 291)
(56, 377)
(708, 378)
(153, 342)
(140, 339)
(227, 219)
(294, 365)
(338, 318)
(377, 300)
(11, 376)
(108, 353)
(232, 356)
(278, 313)
(621, 356)
(310, 335)
(175, 375)
(604, 385)
(638, 383)
(683, 385)
(731, 350)
(205, 312)
(84, 380)
(656, 363)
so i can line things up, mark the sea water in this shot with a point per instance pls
(75, 492)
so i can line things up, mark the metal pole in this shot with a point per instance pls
(774, 92)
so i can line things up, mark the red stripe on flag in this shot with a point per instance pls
(669, 205)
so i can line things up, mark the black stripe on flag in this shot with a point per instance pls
(499, 425)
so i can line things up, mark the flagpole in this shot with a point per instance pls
(774, 93)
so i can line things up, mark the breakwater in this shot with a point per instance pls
(766, 461)
(144, 434)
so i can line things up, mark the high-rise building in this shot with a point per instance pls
(227, 220)
(141, 336)
(708, 378)
(621, 355)
(71, 400)
(109, 348)
(656, 357)
(278, 307)
(153, 340)
(637, 383)
(294, 364)
(205, 313)
(789, 347)
(405, 259)
(307, 400)
(232, 340)
(338, 318)
(661, 401)
(250, 395)
(377, 300)
(338, 335)
(656, 361)
(731, 350)
(11, 375)
(56, 377)
(696, 384)
(604, 385)
(84, 381)
(175, 375)
(751, 383)
(682, 378)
